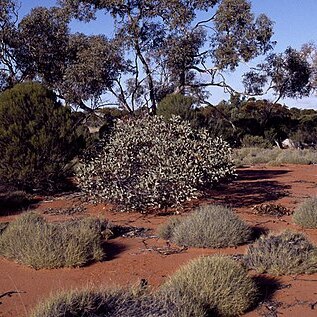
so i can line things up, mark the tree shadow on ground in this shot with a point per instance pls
(250, 188)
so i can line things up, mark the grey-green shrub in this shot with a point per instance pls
(32, 241)
(213, 284)
(305, 214)
(149, 162)
(114, 303)
(286, 253)
(210, 226)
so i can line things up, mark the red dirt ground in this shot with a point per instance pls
(135, 258)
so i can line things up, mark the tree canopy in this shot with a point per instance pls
(158, 47)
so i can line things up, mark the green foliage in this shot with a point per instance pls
(149, 162)
(36, 137)
(32, 241)
(176, 104)
(255, 141)
(213, 284)
(287, 253)
(305, 214)
(114, 303)
(210, 226)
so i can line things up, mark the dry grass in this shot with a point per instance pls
(274, 156)
(287, 253)
(34, 242)
(210, 226)
(305, 214)
(213, 285)
(103, 302)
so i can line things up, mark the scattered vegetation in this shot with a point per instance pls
(305, 214)
(114, 303)
(151, 163)
(274, 156)
(287, 253)
(37, 137)
(214, 284)
(210, 226)
(32, 241)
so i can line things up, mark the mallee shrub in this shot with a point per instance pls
(152, 163)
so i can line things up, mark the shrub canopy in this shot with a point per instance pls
(149, 162)
(37, 138)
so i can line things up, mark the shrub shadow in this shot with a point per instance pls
(267, 286)
(250, 188)
(12, 203)
(112, 249)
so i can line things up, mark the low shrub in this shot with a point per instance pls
(210, 285)
(287, 253)
(152, 163)
(305, 214)
(32, 241)
(112, 303)
(210, 226)
(166, 230)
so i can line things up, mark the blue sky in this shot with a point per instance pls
(295, 23)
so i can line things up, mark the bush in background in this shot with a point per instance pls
(149, 162)
(210, 226)
(37, 138)
(305, 214)
(287, 253)
(209, 285)
(32, 241)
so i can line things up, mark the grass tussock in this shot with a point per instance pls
(305, 214)
(274, 156)
(210, 226)
(213, 285)
(32, 241)
(114, 303)
(287, 253)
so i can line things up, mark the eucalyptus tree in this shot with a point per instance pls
(157, 47)
(40, 47)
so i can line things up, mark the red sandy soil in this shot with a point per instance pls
(131, 259)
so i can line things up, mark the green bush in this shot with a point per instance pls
(176, 104)
(255, 141)
(36, 137)
(210, 226)
(149, 162)
(210, 285)
(287, 253)
(32, 241)
(306, 213)
(114, 303)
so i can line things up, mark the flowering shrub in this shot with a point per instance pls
(148, 162)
